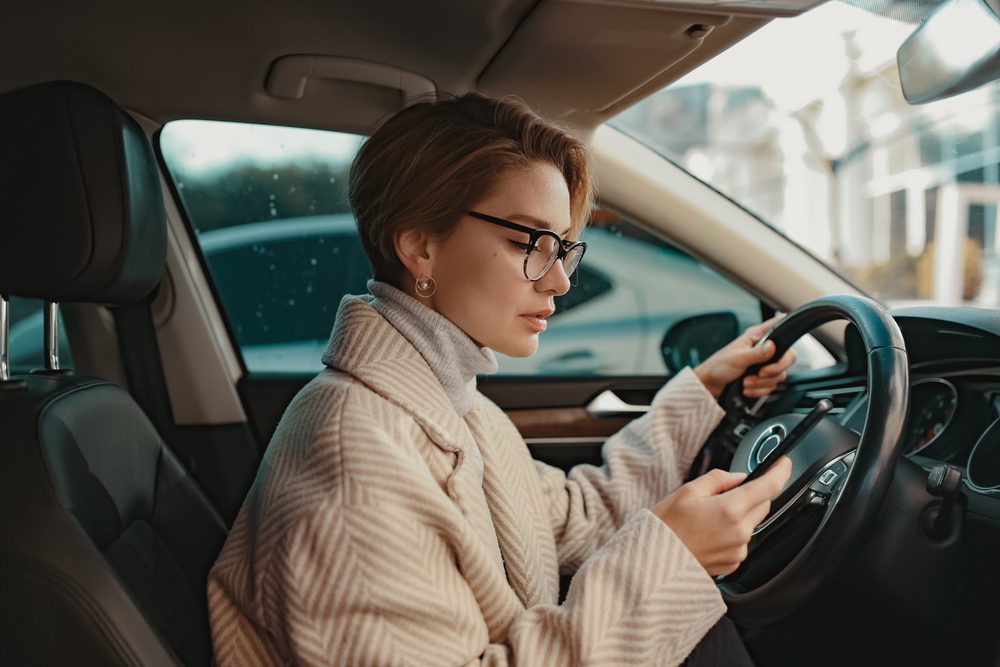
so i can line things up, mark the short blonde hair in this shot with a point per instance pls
(432, 161)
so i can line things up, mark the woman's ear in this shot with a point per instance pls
(412, 246)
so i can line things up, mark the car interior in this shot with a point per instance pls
(124, 468)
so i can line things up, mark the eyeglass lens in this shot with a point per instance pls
(544, 255)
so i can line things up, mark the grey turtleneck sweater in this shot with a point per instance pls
(453, 356)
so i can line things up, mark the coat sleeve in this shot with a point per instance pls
(643, 462)
(345, 599)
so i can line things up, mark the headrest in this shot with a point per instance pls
(82, 216)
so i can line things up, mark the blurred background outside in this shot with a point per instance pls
(804, 125)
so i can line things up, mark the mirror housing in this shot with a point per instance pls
(694, 339)
(956, 49)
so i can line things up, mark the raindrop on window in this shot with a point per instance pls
(313, 261)
(291, 302)
(275, 176)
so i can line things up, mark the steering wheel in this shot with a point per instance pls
(839, 479)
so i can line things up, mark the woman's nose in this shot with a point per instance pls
(555, 280)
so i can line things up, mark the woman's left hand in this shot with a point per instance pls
(729, 363)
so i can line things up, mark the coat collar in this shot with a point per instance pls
(366, 346)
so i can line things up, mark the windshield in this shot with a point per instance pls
(804, 124)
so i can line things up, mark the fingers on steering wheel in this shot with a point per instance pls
(757, 331)
(763, 384)
(780, 366)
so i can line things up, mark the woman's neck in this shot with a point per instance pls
(454, 357)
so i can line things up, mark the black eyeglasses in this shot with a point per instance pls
(543, 248)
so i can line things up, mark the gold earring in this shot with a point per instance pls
(426, 286)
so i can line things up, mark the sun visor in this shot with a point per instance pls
(83, 217)
(584, 62)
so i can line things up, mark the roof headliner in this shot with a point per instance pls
(580, 61)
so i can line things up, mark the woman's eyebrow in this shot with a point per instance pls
(536, 222)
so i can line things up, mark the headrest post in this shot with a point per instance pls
(51, 336)
(4, 338)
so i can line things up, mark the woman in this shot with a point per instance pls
(397, 517)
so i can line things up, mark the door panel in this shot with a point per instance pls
(550, 413)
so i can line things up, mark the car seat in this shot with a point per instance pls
(107, 541)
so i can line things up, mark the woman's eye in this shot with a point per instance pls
(522, 246)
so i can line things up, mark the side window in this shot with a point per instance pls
(269, 207)
(270, 211)
(281, 292)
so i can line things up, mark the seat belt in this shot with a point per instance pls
(144, 368)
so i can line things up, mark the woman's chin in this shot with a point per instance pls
(518, 348)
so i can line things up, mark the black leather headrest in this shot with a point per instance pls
(82, 217)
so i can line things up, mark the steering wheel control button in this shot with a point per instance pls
(827, 480)
(817, 498)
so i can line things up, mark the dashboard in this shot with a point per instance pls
(954, 412)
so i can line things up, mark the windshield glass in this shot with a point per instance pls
(804, 124)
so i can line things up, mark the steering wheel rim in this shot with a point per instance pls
(852, 512)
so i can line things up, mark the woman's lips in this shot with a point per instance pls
(536, 323)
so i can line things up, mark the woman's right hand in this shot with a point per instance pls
(715, 517)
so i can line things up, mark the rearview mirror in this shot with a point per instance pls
(694, 339)
(956, 49)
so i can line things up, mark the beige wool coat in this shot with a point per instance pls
(385, 529)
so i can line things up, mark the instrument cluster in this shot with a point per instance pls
(953, 419)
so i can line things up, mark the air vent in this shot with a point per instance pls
(841, 398)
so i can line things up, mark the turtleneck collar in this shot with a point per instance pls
(453, 356)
